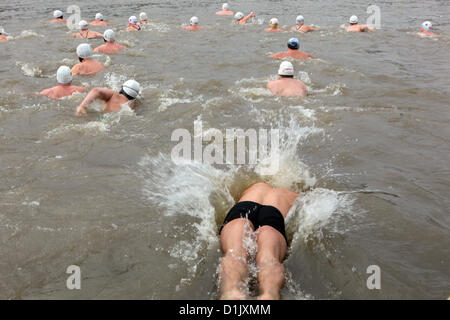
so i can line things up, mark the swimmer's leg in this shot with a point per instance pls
(234, 264)
(272, 249)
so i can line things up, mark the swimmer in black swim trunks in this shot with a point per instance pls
(265, 209)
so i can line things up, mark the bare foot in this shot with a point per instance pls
(267, 296)
(233, 295)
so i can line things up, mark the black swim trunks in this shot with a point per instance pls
(258, 214)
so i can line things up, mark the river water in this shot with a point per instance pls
(369, 149)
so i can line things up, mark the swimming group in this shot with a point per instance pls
(285, 85)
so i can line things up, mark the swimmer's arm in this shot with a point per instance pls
(311, 28)
(96, 93)
(275, 56)
(366, 28)
(270, 87)
(245, 19)
(44, 92)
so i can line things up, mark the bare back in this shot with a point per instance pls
(264, 194)
(88, 66)
(115, 103)
(109, 47)
(359, 28)
(295, 54)
(288, 87)
(61, 91)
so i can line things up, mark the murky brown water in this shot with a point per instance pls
(370, 145)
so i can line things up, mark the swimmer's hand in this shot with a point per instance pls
(81, 111)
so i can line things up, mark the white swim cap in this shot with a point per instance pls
(133, 20)
(2, 31)
(108, 35)
(64, 75)
(427, 25)
(57, 14)
(225, 6)
(353, 19)
(194, 21)
(99, 16)
(286, 69)
(239, 16)
(84, 51)
(143, 16)
(274, 21)
(300, 19)
(83, 25)
(131, 88)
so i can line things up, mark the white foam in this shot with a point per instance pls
(316, 210)
(29, 34)
(93, 127)
(29, 70)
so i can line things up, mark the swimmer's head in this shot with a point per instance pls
(286, 69)
(238, 16)
(225, 7)
(300, 20)
(84, 51)
(274, 23)
(57, 14)
(133, 20)
(108, 35)
(293, 44)
(130, 89)
(64, 75)
(143, 16)
(194, 21)
(353, 20)
(99, 17)
(83, 25)
(427, 25)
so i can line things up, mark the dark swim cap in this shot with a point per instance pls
(293, 44)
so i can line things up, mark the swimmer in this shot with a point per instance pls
(301, 27)
(241, 19)
(114, 101)
(263, 209)
(286, 85)
(110, 45)
(355, 27)
(99, 21)
(225, 10)
(64, 87)
(85, 33)
(143, 18)
(133, 24)
(193, 25)
(425, 28)
(3, 35)
(273, 27)
(87, 65)
(58, 16)
(293, 52)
